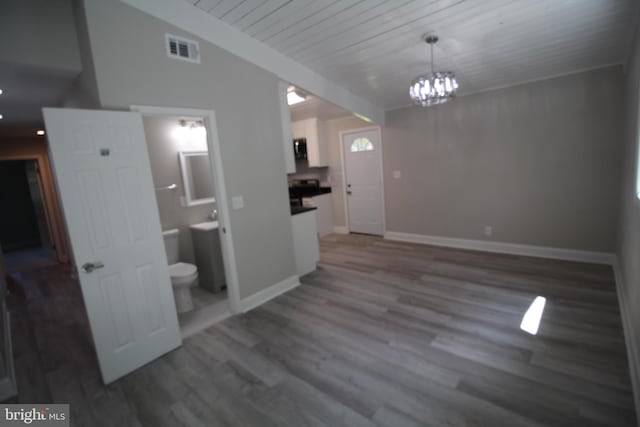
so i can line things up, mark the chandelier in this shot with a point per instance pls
(435, 88)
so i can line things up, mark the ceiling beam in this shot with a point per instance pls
(195, 21)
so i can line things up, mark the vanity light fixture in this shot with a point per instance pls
(191, 135)
(192, 124)
(295, 95)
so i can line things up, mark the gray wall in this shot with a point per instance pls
(332, 129)
(39, 33)
(629, 230)
(83, 93)
(540, 163)
(132, 68)
(165, 168)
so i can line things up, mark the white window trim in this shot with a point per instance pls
(362, 151)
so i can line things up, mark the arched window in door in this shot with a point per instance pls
(361, 144)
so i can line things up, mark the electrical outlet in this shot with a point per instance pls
(488, 230)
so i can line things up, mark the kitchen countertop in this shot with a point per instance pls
(306, 192)
(295, 210)
(205, 226)
(323, 190)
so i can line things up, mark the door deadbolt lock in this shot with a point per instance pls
(88, 267)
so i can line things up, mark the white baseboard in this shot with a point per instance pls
(630, 337)
(504, 248)
(340, 229)
(269, 293)
(206, 317)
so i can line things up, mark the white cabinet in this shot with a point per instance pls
(324, 212)
(285, 117)
(305, 242)
(313, 131)
(317, 150)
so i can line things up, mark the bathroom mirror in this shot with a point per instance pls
(197, 177)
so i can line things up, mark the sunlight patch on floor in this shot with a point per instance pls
(531, 319)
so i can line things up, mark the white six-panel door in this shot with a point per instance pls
(363, 181)
(104, 179)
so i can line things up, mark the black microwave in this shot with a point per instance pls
(300, 148)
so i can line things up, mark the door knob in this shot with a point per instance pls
(88, 267)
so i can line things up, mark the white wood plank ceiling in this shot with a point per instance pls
(374, 48)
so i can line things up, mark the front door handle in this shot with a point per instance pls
(88, 267)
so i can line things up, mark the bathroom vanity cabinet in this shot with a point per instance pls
(208, 253)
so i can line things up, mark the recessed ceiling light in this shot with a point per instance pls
(0, 91)
(1, 116)
(40, 132)
(295, 96)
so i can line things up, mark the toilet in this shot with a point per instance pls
(183, 275)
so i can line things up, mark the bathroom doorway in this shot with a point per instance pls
(189, 192)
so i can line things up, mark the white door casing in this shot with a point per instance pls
(363, 182)
(213, 145)
(103, 174)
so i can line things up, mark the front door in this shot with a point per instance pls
(102, 170)
(362, 162)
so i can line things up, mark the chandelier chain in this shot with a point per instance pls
(431, 46)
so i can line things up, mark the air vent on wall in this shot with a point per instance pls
(181, 48)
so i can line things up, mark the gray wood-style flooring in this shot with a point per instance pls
(383, 334)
